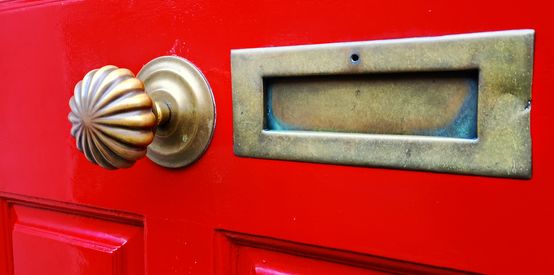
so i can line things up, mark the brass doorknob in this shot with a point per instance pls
(167, 113)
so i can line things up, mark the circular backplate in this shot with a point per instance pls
(186, 135)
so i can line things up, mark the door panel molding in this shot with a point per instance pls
(237, 252)
(63, 237)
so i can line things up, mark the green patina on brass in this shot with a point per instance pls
(427, 104)
(458, 103)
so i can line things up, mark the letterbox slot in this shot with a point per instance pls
(441, 104)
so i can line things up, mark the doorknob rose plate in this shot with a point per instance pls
(180, 85)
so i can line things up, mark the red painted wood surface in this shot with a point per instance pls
(468, 223)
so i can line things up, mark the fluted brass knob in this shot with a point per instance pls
(166, 113)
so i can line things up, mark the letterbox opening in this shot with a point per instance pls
(441, 104)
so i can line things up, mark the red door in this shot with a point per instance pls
(226, 214)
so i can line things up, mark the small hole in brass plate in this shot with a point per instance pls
(355, 58)
(528, 105)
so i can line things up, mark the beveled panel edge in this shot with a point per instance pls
(228, 242)
(72, 208)
(503, 148)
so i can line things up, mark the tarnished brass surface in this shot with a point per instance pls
(299, 103)
(182, 87)
(411, 104)
(111, 117)
(115, 122)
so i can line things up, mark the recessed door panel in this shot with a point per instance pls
(59, 241)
